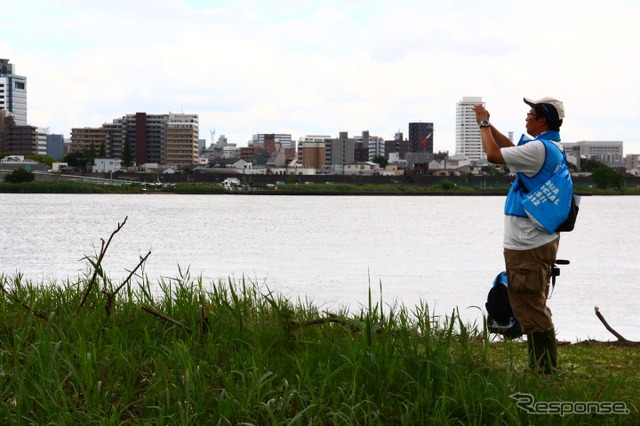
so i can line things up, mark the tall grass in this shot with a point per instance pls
(249, 356)
(183, 351)
(66, 187)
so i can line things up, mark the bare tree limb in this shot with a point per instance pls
(24, 305)
(332, 318)
(166, 318)
(103, 251)
(111, 296)
(608, 327)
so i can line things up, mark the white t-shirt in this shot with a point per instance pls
(519, 232)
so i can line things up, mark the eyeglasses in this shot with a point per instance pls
(531, 114)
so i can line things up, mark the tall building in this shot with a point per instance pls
(312, 151)
(168, 139)
(421, 137)
(89, 139)
(398, 146)
(373, 145)
(607, 152)
(468, 142)
(17, 139)
(13, 93)
(376, 147)
(340, 151)
(55, 146)
(41, 140)
(182, 139)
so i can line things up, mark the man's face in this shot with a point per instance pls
(534, 125)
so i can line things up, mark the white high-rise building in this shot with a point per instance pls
(41, 138)
(13, 93)
(468, 142)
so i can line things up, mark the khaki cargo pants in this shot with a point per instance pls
(529, 274)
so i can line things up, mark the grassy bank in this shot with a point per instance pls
(188, 352)
(445, 187)
(67, 187)
(231, 353)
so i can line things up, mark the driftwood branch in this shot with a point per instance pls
(608, 327)
(111, 296)
(103, 251)
(332, 318)
(166, 318)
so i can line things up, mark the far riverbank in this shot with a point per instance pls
(441, 187)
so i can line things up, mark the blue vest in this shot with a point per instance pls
(554, 164)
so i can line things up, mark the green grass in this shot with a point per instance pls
(184, 351)
(195, 188)
(444, 187)
(262, 359)
(66, 187)
(386, 189)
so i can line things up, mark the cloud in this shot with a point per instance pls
(311, 67)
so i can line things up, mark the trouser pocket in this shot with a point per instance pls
(526, 277)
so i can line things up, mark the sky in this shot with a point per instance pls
(308, 67)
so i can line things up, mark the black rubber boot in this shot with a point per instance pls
(543, 352)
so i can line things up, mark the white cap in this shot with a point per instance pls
(556, 112)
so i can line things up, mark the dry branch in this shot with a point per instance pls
(166, 318)
(24, 305)
(103, 251)
(111, 296)
(608, 327)
(331, 318)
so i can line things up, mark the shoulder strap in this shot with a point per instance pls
(521, 184)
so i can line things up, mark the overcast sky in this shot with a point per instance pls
(321, 67)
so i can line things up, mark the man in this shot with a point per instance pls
(529, 250)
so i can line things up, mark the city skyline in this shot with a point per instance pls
(303, 68)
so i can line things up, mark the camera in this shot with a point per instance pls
(555, 271)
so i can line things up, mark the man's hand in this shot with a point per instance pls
(481, 113)
(490, 146)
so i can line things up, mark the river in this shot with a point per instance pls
(442, 250)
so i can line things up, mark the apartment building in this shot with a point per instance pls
(340, 151)
(89, 139)
(398, 147)
(181, 140)
(167, 139)
(312, 151)
(41, 140)
(13, 92)
(17, 139)
(376, 147)
(421, 137)
(607, 152)
(468, 141)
